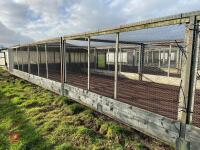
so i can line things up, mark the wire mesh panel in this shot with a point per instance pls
(33, 60)
(102, 72)
(148, 76)
(76, 64)
(42, 61)
(20, 59)
(24, 59)
(53, 60)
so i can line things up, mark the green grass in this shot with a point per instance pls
(45, 120)
(101, 61)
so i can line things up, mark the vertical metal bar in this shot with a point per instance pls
(65, 62)
(95, 59)
(189, 73)
(194, 72)
(159, 58)
(22, 58)
(61, 60)
(177, 59)
(46, 56)
(141, 61)
(38, 64)
(120, 64)
(152, 57)
(116, 66)
(108, 59)
(88, 86)
(169, 60)
(147, 58)
(163, 57)
(29, 66)
(17, 58)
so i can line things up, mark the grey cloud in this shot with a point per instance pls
(9, 37)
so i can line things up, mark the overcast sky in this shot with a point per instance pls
(26, 20)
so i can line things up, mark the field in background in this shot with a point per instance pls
(34, 118)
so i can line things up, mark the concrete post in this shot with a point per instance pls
(88, 86)
(46, 58)
(169, 60)
(116, 66)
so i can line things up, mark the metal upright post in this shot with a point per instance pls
(61, 61)
(29, 66)
(88, 86)
(169, 60)
(141, 61)
(189, 72)
(120, 64)
(116, 66)
(17, 58)
(164, 57)
(46, 56)
(65, 62)
(95, 59)
(38, 66)
(108, 59)
(159, 58)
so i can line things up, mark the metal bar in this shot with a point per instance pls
(29, 67)
(65, 62)
(88, 86)
(95, 59)
(188, 74)
(159, 58)
(164, 57)
(116, 66)
(38, 64)
(108, 59)
(46, 56)
(141, 62)
(61, 60)
(169, 60)
(120, 64)
(17, 58)
(152, 57)
(194, 72)
(6, 64)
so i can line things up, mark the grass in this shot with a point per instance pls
(37, 119)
